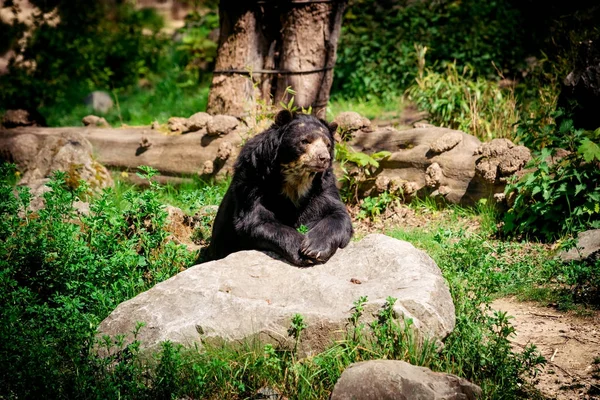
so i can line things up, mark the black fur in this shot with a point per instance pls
(256, 214)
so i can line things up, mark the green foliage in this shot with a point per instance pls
(197, 50)
(116, 48)
(170, 95)
(462, 101)
(561, 196)
(372, 108)
(96, 44)
(357, 167)
(63, 272)
(476, 269)
(376, 52)
(303, 229)
(372, 207)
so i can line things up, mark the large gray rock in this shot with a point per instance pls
(588, 245)
(396, 380)
(249, 294)
(99, 101)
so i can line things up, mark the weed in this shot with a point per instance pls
(372, 207)
(460, 101)
(303, 229)
(357, 168)
(561, 196)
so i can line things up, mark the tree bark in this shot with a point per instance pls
(242, 45)
(310, 36)
(299, 39)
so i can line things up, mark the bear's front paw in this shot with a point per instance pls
(317, 249)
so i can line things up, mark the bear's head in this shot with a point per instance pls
(305, 149)
(306, 142)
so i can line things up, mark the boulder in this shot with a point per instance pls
(588, 245)
(391, 380)
(99, 101)
(38, 156)
(250, 295)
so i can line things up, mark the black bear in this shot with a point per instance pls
(283, 180)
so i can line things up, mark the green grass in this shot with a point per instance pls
(371, 109)
(167, 97)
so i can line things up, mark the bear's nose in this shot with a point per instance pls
(323, 157)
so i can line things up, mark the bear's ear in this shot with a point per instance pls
(283, 117)
(333, 127)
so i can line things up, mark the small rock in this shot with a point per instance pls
(433, 175)
(198, 121)
(418, 125)
(444, 190)
(99, 101)
(208, 167)
(447, 142)
(16, 118)
(93, 120)
(177, 124)
(390, 379)
(221, 125)
(350, 121)
(225, 151)
(382, 183)
(410, 188)
(145, 143)
(155, 125)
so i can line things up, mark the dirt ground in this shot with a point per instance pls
(570, 344)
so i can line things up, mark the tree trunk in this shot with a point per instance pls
(241, 46)
(283, 45)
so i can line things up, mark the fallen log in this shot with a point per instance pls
(125, 149)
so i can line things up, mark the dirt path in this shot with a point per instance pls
(570, 344)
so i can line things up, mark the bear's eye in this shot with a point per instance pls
(305, 141)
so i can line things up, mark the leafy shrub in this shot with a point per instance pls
(357, 167)
(61, 273)
(561, 196)
(461, 101)
(479, 347)
(197, 50)
(376, 51)
(97, 45)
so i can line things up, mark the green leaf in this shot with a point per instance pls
(589, 150)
